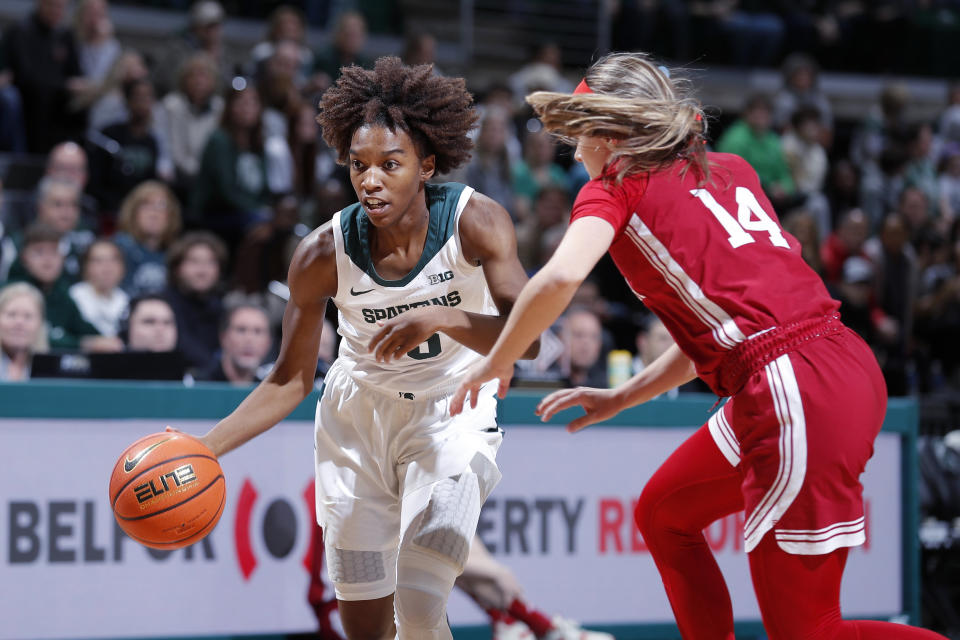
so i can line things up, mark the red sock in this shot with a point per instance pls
(538, 623)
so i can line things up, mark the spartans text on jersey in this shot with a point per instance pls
(451, 299)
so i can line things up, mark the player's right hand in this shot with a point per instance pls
(599, 405)
(202, 439)
(403, 333)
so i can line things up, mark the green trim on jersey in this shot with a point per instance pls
(442, 202)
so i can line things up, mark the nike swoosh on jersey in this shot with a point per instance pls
(129, 465)
(359, 293)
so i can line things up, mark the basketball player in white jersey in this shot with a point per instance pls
(423, 277)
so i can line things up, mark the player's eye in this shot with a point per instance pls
(390, 165)
(356, 165)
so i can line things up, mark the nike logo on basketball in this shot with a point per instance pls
(359, 293)
(129, 465)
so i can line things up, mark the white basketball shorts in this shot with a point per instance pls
(374, 450)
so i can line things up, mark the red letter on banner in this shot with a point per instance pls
(611, 519)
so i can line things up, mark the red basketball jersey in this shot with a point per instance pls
(711, 261)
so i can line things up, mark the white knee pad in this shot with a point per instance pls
(361, 575)
(432, 554)
(423, 586)
(448, 522)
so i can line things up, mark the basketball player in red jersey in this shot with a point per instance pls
(699, 243)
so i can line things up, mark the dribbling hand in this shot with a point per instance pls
(402, 334)
(202, 439)
(476, 376)
(599, 404)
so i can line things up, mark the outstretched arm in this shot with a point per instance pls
(313, 279)
(670, 370)
(488, 238)
(540, 303)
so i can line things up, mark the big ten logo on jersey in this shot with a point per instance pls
(437, 278)
(285, 525)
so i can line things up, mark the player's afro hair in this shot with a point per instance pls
(436, 112)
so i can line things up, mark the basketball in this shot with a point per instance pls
(167, 490)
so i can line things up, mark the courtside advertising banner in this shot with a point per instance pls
(561, 519)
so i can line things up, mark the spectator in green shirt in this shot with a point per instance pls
(231, 191)
(40, 263)
(752, 137)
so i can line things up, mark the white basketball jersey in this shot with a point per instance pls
(441, 277)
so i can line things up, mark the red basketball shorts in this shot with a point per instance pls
(801, 431)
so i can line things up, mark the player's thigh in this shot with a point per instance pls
(449, 461)
(844, 396)
(806, 425)
(361, 556)
(444, 489)
(446, 518)
(695, 486)
(357, 503)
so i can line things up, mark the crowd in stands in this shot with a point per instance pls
(172, 191)
(917, 35)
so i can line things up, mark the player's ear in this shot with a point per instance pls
(427, 167)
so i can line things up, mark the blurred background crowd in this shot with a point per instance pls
(160, 160)
(185, 170)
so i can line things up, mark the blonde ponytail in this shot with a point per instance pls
(651, 115)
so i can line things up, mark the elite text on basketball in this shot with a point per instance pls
(180, 476)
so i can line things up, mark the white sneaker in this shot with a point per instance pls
(515, 630)
(564, 629)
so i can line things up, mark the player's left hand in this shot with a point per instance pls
(476, 376)
(598, 404)
(397, 336)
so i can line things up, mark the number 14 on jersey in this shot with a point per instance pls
(750, 217)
